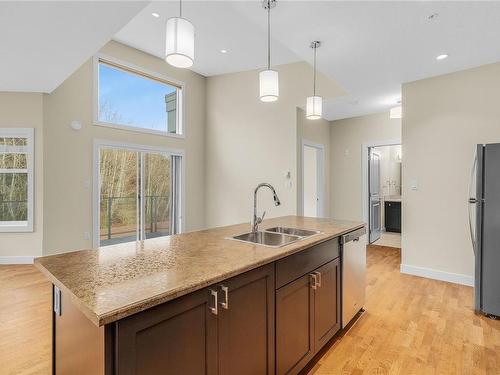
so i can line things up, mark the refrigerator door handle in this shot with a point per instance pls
(472, 201)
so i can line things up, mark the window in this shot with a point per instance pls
(131, 98)
(139, 193)
(16, 180)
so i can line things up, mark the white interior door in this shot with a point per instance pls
(313, 180)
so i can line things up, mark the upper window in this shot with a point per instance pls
(136, 100)
(16, 180)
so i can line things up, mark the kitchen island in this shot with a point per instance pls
(198, 302)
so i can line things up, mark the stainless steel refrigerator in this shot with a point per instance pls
(484, 220)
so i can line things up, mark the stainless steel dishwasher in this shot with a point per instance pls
(353, 273)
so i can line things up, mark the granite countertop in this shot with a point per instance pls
(119, 280)
(392, 198)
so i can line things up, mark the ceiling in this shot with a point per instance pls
(44, 42)
(369, 48)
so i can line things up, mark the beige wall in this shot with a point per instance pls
(249, 142)
(346, 141)
(25, 110)
(68, 155)
(444, 118)
(316, 131)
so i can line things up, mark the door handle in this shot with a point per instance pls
(318, 274)
(214, 310)
(314, 281)
(225, 290)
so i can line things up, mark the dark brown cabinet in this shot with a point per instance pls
(178, 337)
(294, 326)
(327, 303)
(307, 309)
(246, 323)
(225, 329)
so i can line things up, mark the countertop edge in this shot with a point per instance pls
(147, 303)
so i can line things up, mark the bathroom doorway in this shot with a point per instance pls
(313, 179)
(383, 194)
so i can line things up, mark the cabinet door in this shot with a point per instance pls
(294, 326)
(246, 323)
(178, 337)
(326, 303)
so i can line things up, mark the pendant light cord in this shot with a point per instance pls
(180, 8)
(314, 79)
(268, 34)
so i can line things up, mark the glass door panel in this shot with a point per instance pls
(157, 195)
(119, 215)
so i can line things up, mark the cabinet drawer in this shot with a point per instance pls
(297, 265)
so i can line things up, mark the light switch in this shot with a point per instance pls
(86, 184)
(414, 184)
(86, 235)
(346, 152)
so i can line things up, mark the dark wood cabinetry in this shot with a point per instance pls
(179, 337)
(246, 326)
(270, 320)
(327, 304)
(308, 308)
(188, 336)
(392, 212)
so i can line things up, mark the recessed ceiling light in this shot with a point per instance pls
(442, 57)
(155, 15)
(223, 51)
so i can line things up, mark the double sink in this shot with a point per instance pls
(275, 237)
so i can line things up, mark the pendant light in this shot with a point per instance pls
(268, 79)
(179, 46)
(314, 104)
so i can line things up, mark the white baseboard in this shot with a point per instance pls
(17, 260)
(430, 273)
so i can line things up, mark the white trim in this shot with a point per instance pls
(364, 169)
(28, 259)
(181, 94)
(321, 175)
(99, 143)
(430, 273)
(29, 149)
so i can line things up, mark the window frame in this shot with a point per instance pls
(147, 74)
(102, 143)
(29, 135)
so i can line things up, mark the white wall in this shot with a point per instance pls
(443, 119)
(68, 156)
(25, 110)
(346, 140)
(249, 142)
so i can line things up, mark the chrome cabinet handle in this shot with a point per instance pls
(317, 273)
(225, 290)
(314, 279)
(214, 310)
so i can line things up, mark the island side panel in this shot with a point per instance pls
(79, 345)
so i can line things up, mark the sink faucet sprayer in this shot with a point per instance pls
(257, 220)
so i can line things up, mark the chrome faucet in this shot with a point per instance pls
(257, 220)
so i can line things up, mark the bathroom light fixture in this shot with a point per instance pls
(268, 79)
(179, 46)
(155, 15)
(314, 104)
(442, 57)
(396, 112)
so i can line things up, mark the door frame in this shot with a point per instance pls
(365, 147)
(97, 145)
(320, 178)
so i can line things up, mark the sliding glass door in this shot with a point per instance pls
(139, 194)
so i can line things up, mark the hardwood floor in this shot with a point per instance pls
(25, 321)
(411, 326)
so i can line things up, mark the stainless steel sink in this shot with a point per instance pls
(293, 231)
(267, 238)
